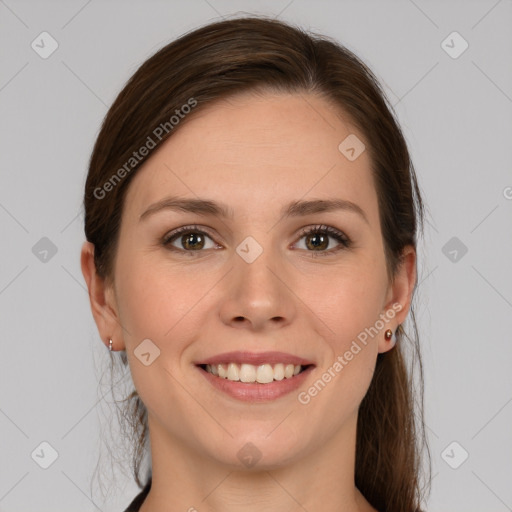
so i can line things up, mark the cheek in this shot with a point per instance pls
(349, 363)
(353, 342)
(154, 299)
(348, 299)
(154, 306)
(351, 310)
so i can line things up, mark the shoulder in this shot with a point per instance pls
(139, 499)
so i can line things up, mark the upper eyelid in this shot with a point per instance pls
(187, 229)
(331, 230)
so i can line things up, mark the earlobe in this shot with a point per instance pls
(102, 302)
(388, 341)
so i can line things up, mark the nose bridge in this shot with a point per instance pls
(255, 270)
(258, 292)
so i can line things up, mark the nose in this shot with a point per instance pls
(257, 295)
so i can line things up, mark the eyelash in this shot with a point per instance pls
(344, 240)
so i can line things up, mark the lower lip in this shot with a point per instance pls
(254, 391)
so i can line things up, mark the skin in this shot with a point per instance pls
(254, 153)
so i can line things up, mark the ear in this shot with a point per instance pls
(102, 299)
(399, 296)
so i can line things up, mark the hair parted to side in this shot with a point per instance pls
(262, 54)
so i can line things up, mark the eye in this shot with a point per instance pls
(189, 239)
(192, 239)
(317, 240)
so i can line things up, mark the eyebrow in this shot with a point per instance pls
(294, 209)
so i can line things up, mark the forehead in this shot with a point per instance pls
(255, 151)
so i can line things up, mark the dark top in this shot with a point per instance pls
(139, 499)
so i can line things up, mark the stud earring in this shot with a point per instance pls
(388, 334)
(110, 344)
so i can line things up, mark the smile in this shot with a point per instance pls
(263, 373)
(249, 373)
(252, 390)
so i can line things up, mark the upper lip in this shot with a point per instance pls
(255, 358)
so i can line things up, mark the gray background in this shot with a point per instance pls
(456, 114)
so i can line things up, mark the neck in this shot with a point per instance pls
(186, 480)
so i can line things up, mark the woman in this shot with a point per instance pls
(251, 218)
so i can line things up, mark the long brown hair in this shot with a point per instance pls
(262, 54)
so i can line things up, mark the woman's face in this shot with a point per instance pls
(252, 282)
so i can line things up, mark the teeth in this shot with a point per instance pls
(264, 373)
(288, 371)
(233, 372)
(221, 370)
(247, 373)
(279, 371)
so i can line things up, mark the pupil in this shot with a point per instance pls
(191, 239)
(321, 242)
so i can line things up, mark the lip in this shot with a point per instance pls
(255, 358)
(256, 392)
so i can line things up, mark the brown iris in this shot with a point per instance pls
(319, 241)
(193, 241)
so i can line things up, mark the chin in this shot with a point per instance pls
(259, 451)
